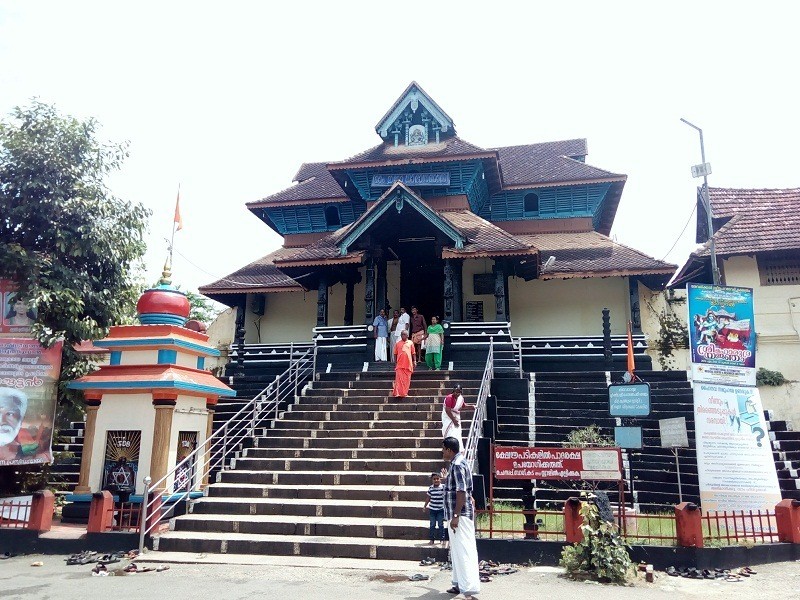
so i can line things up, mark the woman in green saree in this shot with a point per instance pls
(434, 343)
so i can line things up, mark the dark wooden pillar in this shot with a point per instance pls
(449, 292)
(239, 332)
(458, 295)
(381, 301)
(608, 354)
(348, 302)
(369, 292)
(636, 314)
(322, 300)
(500, 286)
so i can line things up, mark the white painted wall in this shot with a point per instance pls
(123, 412)
(220, 336)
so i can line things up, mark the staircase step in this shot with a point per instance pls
(350, 547)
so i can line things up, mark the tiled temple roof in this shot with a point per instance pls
(259, 276)
(592, 254)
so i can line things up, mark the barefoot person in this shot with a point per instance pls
(381, 330)
(434, 341)
(459, 515)
(418, 328)
(451, 415)
(404, 365)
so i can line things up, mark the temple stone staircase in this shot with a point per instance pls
(342, 473)
(67, 451)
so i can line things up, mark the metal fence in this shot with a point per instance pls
(14, 514)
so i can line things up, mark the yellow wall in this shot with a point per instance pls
(777, 324)
(288, 317)
(655, 306)
(566, 307)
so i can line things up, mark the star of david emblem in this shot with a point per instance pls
(122, 477)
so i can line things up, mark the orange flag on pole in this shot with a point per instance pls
(631, 363)
(178, 220)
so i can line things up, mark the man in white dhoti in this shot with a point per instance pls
(403, 323)
(459, 514)
(381, 328)
(451, 415)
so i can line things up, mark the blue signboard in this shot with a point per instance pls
(629, 400)
(628, 437)
(411, 179)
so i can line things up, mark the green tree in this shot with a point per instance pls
(73, 247)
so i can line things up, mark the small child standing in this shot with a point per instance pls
(435, 508)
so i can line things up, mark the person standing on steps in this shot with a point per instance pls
(403, 324)
(380, 327)
(418, 329)
(394, 332)
(451, 415)
(404, 365)
(459, 514)
(434, 341)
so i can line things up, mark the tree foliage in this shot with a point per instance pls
(73, 247)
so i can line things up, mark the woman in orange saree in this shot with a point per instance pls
(404, 367)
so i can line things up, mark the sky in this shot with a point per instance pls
(227, 99)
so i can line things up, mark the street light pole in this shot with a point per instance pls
(706, 195)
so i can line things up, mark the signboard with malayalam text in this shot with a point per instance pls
(673, 433)
(629, 399)
(29, 375)
(519, 462)
(411, 179)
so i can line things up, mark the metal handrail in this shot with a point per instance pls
(475, 428)
(212, 453)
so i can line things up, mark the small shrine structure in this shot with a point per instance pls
(153, 404)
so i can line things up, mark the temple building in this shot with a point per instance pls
(516, 235)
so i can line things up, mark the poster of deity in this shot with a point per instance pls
(722, 336)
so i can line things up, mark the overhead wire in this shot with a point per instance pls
(680, 235)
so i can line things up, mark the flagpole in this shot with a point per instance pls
(172, 239)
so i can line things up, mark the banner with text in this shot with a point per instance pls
(721, 334)
(734, 455)
(601, 464)
(17, 316)
(29, 376)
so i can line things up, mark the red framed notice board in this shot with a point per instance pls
(520, 462)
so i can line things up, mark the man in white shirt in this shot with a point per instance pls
(404, 323)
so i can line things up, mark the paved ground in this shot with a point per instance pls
(354, 580)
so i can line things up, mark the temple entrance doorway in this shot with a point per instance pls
(422, 278)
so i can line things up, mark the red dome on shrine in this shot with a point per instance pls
(165, 302)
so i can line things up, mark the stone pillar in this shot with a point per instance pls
(688, 525)
(458, 294)
(369, 292)
(636, 314)
(162, 434)
(322, 300)
(211, 405)
(500, 306)
(93, 400)
(449, 292)
(348, 302)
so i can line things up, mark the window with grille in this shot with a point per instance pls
(779, 271)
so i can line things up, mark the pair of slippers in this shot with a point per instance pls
(427, 561)
(82, 558)
(418, 577)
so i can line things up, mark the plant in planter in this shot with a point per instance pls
(602, 554)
